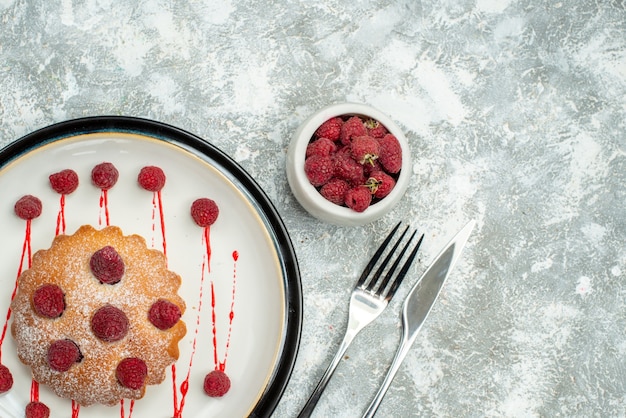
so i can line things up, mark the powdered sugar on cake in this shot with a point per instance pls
(66, 264)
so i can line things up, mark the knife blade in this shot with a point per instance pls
(419, 303)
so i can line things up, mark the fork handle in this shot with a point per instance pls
(317, 392)
(402, 351)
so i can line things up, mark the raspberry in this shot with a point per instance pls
(28, 207)
(37, 410)
(131, 373)
(151, 178)
(64, 182)
(358, 198)
(364, 149)
(204, 212)
(375, 129)
(6, 379)
(390, 153)
(363, 163)
(62, 354)
(370, 168)
(351, 128)
(104, 175)
(109, 324)
(318, 169)
(216, 384)
(380, 184)
(335, 191)
(321, 146)
(346, 168)
(107, 265)
(331, 129)
(48, 301)
(164, 314)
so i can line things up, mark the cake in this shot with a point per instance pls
(97, 316)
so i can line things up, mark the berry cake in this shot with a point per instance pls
(97, 316)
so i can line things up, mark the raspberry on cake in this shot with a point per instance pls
(49, 301)
(164, 314)
(109, 323)
(62, 354)
(107, 265)
(131, 372)
(88, 336)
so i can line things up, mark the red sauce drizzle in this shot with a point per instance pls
(157, 204)
(26, 250)
(61, 216)
(130, 408)
(160, 202)
(75, 409)
(214, 322)
(34, 391)
(104, 205)
(221, 366)
(184, 386)
(207, 240)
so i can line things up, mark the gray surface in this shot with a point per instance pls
(516, 114)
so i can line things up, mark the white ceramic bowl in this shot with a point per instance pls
(308, 196)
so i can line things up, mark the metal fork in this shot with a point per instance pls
(367, 301)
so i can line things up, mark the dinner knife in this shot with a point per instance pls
(419, 303)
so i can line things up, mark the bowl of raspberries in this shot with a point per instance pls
(348, 164)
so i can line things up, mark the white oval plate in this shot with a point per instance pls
(267, 302)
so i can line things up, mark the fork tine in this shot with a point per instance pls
(379, 271)
(394, 266)
(376, 256)
(405, 268)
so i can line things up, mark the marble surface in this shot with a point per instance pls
(516, 115)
